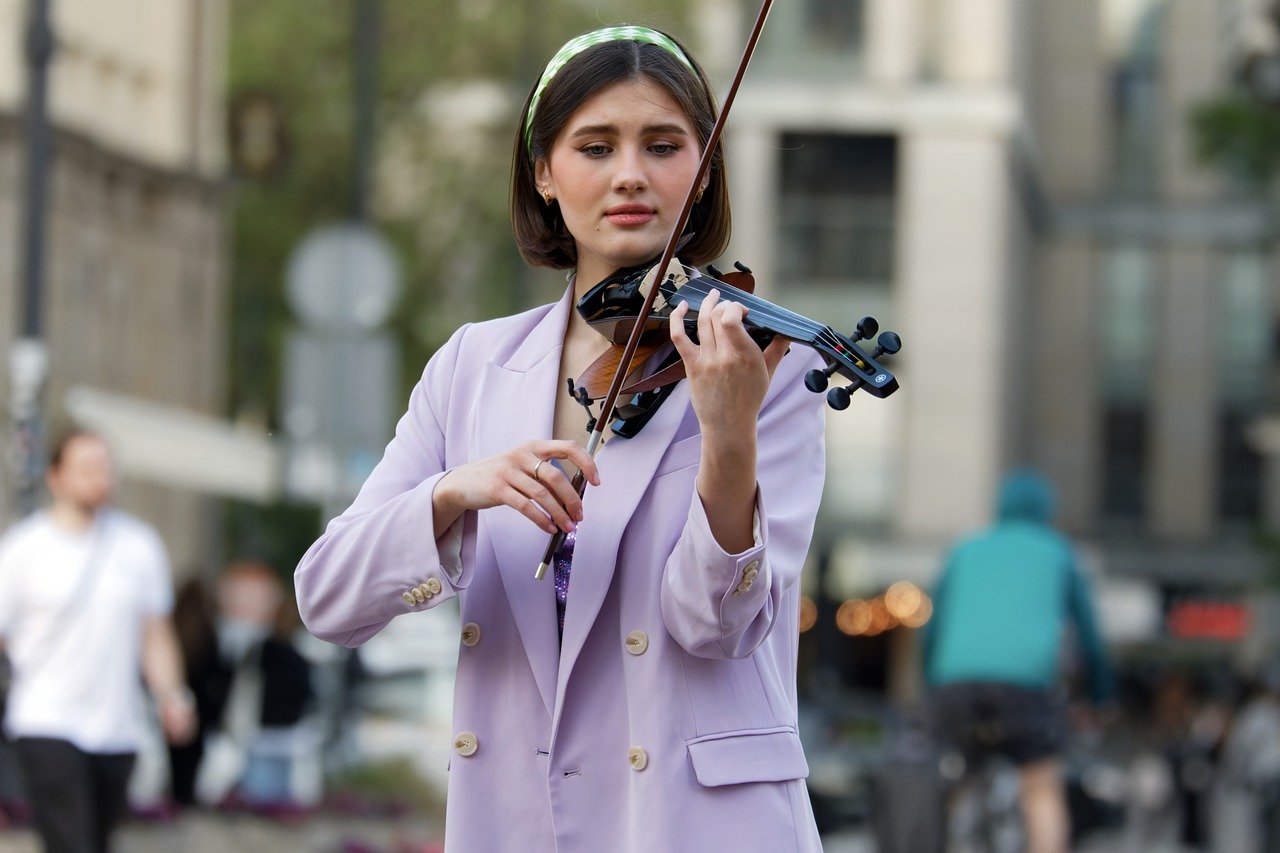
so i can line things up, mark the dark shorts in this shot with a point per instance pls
(982, 719)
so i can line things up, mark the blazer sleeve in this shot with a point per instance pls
(379, 559)
(720, 605)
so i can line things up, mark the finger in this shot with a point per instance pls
(561, 488)
(731, 331)
(688, 349)
(540, 493)
(528, 507)
(706, 320)
(574, 453)
(774, 352)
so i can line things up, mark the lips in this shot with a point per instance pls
(629, 214)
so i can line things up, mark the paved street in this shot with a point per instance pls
(202, 832)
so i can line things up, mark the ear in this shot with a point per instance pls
(541, 175)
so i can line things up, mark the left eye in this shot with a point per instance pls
(664, 148)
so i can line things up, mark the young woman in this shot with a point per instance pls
(645, 698)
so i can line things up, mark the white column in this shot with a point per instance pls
(894, 41)
(1066, 408)
(955, 205)
(1183, 460)
(1069, 102)
(975, 41)
(753, 162)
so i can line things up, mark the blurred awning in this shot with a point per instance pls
(180, 448)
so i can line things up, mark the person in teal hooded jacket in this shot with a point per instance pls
(993, 650)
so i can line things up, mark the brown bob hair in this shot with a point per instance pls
(540, 232)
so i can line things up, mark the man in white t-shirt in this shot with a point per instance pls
(85, 595)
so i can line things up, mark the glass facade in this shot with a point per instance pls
(837, 210)
(806, 36)
(1245, 330)
(1128, 337)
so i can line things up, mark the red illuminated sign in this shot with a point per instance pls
(1209, 620)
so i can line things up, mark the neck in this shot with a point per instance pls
(71, 517)
(577, 331)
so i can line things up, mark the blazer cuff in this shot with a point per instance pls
(441, 573)
(742, 579)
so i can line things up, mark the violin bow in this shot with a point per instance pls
(633, 341)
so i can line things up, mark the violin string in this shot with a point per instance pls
(755, 301)
(786, 322)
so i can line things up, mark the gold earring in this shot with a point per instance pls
(546, 196)
(697, 198)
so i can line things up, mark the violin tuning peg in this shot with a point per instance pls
(715, 271)
(887, 344)
(816, 380)
(838, 398)
(867, 328)
(741, 267)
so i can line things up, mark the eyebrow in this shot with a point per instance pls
(612, 130)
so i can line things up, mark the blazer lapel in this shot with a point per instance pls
(529, 380)
(626, 468)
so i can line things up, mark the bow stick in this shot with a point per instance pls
(633, 341)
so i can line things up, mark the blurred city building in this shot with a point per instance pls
(1012, 186)
(135, 300)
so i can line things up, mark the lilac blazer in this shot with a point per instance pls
(666, 719)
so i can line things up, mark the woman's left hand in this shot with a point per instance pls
(728, 373)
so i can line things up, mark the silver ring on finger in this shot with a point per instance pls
(535, 469)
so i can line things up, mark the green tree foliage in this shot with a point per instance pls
(1241, 136)
(452, 75)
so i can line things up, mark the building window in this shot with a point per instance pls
(1128, 336)
(837, 210)
(1244, 350)
(804, 35)
(1132, 33)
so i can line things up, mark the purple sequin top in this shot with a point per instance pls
(563, 562)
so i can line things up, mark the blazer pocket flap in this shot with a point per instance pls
(763, 755)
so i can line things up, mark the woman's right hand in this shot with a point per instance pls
(507, 479)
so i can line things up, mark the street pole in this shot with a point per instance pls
(28, 361)
(365, 93)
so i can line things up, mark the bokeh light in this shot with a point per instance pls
(808, 613)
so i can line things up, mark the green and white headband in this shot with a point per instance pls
(573, 47)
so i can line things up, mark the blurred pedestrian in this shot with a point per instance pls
(194, 621)
(263, 731)
(643, 695)
(85, 595)
(993, 651)
(1250, 761)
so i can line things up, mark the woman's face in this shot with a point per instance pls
(620, 169)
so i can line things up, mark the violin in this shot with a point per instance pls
(612, 307)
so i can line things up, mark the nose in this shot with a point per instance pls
(630, 174)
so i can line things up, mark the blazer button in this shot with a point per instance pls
(433, 586)
(422, 588)
(465, 744)
(754, 567)
(417, 595)
(637, 642)
(409, 599)
(637, 758)
(470, 634)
